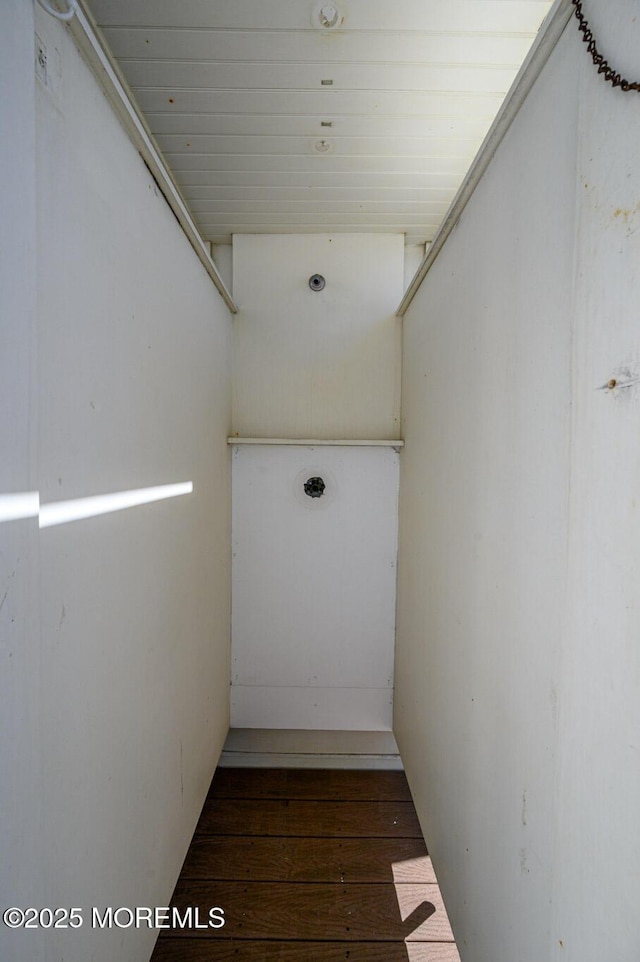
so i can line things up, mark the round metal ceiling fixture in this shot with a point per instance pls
(326, 15)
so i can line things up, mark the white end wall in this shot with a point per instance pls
(127, 704)
(517, 702)
(311, 364)
(314, 587)
(311, 649)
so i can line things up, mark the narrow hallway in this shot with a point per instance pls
(320, 865)
(320, 385)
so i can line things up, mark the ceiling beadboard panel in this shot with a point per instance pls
(272, 123)
(363, 46)
(449, 16)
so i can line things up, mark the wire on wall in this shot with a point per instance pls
(610, 75)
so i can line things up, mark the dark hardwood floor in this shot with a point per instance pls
(309, 866)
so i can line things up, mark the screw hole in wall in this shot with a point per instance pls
(316, 282)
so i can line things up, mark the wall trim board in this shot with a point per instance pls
(314, 442)
(544, 44)
(94, 49)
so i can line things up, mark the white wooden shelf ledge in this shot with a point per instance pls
(315, 442)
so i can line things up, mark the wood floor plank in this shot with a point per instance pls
(432, 951)
(308, 859)
(209, 950)
(337, 784)
(316, 911)
(332, 819)
(309, 866)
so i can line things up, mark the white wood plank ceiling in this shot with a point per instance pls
(272, 122)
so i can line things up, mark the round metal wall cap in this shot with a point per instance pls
(316, 282)
(314, 487)
(315, 471)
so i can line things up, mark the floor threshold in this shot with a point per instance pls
(286, 748)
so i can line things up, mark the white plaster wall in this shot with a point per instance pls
(21, 838)
(597, 833)
(129, 672)
(517, 702)
(322, 364)
(314, 586)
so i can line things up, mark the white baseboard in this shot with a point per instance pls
(317, 708)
